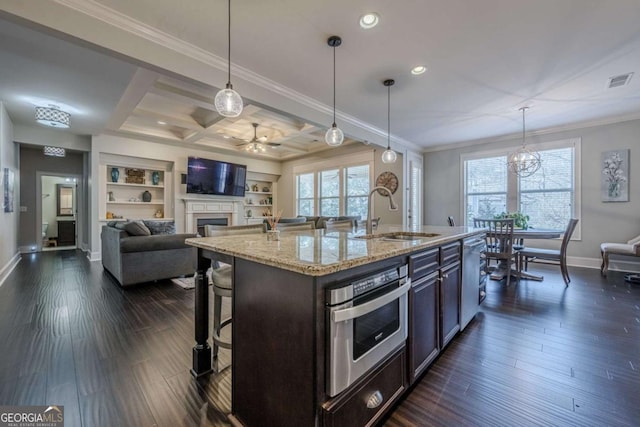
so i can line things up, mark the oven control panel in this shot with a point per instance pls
(370, 283)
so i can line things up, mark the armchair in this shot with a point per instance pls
(631, 248)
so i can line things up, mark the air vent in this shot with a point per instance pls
(620, 80)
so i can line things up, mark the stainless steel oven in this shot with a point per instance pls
(366, 321)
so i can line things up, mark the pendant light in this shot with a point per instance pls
(389, 156)
(334, 135)
(228, 102)
(524, 162)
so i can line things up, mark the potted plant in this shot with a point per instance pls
(520, 220)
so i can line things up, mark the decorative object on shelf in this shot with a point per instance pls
(158, 214)
(334, 135)
(111, 197)
(389, 180)
(615, 175)
(524, 162)
(389, 156)
(265, 189)
(520, 220)
(115, 174)
(254, 187)
(155, 177)
(109, 215)
(246, 187)
(134, 176)
(227, 101)
(146, 196)
(270, 200)
(53, 116)
(249, 213)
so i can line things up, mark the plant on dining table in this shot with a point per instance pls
(520, 220)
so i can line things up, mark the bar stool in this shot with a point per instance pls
(221, 277)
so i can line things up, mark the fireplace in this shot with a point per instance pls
(210, 221)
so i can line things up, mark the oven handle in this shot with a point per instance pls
(368, 307)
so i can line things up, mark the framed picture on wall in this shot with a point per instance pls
(8, 190)
(615, 176)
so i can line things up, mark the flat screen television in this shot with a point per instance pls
(206, 176)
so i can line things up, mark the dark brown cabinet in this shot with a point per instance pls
(449, 302)
(423, 324)
(66, 233)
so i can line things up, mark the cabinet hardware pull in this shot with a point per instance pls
(375, 400)
(445, 276)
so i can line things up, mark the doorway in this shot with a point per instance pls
(57, 213)
(414, 190)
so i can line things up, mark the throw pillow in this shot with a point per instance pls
(137, 228)
(120, 225)
(160, 227)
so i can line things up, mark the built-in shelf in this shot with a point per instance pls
(258, 192)
(124, 184)
(155, 202)
(127, 219)
(259, 205)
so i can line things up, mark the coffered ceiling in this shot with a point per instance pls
(485, 60)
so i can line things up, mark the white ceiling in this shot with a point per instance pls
(486, 59)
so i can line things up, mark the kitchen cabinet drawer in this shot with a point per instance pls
(366, 402)
(424, 263)
(449, 254)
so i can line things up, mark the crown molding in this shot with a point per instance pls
(540, 132)
(139, 29)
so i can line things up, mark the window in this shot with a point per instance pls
(306, 196)
(333, 191)
(357, 193)
(550, 196)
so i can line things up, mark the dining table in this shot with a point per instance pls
(524, 234)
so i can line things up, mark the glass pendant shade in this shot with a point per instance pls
(389, 156)
(228, 103)
(334, 136)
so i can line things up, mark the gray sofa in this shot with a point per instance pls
(137, 259)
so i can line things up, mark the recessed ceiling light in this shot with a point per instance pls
(369, 20)
(420, 69)
(160, 122)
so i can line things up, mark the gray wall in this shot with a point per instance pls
(600, 222)
(33, 160)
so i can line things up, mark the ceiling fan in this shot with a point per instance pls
(257, 145)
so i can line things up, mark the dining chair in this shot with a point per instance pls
(499, 239)
(296, 226)
(553, 255)
(220, 276)
(343, 225)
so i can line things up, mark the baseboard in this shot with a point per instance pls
(8, 268)
(615, 264)
(94, 256)
(29, 249)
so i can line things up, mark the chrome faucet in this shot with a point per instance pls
(392, 206)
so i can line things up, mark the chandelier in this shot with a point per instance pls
(524, 162)
(255, 146)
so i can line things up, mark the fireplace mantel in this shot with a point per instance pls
(209, 208)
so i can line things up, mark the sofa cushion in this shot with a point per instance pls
(136, 228)
(160, 227)
(158, 242)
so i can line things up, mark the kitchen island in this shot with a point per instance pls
(281, 354)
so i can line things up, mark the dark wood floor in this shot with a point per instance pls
(537, 354)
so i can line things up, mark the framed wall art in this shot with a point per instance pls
(615, 176)
(8, 190)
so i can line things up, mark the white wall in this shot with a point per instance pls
(9, 255)
(107, 144)
(600, 222)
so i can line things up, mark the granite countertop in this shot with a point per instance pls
(317, 252)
